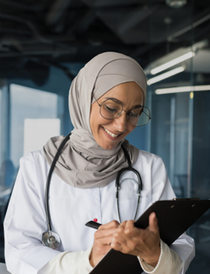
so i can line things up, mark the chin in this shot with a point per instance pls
(108, 146)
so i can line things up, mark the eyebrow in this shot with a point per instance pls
(116, 100)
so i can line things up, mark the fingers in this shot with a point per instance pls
(112, 224)
(103, 236)
(145, 242)
(105, 233)
(102, 241)
(153, 223)
(122, 234)
(129, 226)
(126, 228)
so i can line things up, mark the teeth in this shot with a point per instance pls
(111, 134)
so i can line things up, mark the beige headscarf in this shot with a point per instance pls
(83, 163)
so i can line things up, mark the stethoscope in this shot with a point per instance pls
(52, 239)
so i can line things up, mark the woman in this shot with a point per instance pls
(105, 101)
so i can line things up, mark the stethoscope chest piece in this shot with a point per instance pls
(51, 239)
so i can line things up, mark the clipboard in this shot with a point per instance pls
(174, 218)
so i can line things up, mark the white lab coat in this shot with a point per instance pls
(71, 208)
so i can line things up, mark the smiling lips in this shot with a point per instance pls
(110, 133)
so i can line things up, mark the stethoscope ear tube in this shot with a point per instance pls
(117, 183)
(48, 238)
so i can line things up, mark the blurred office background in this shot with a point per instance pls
(43, 44)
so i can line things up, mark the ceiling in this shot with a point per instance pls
(36, 34)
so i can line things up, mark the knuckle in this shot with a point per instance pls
(97, 234)
(128, 231)
(125, 250)
(120, 229)
(115, 223)
(101, 227)
(114, 244)
(133, 245)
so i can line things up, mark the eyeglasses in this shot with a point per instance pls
(112, 108)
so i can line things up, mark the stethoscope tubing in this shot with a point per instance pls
(49, 233)
(117, 184)
(47, 207)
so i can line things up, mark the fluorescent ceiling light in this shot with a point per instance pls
(173, 62)
(165, 75)
(182, 89)
(175, 57)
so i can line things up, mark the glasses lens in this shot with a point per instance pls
(141, 120)
(110, 109)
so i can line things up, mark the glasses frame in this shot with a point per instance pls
(127, 112)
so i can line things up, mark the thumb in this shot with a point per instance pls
(153, 223)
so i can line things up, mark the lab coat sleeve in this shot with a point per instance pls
(169, 262)
(69, 262)
(184, 246)
(24, 224)
(162, 190)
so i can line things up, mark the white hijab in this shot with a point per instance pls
(83, 163)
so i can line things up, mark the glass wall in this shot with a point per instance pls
(180, 126)
(0, 121)
(169, 138)
(17, 104)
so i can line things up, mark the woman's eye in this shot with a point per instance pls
(133, 114)
(110, 109)
(136, 113)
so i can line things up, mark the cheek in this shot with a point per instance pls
(130, 128)
(95, 121)
(93, 116)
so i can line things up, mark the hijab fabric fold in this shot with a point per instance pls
(83, 163)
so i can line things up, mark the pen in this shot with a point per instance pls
(93, 224)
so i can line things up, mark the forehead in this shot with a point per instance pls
(130, 94)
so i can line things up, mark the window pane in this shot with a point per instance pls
(0, 123)
(17, 106)
(28, 103)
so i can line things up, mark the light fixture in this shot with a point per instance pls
(173, 62)
(182, 89)
(176, 3)
(165, 75)
(174, 58)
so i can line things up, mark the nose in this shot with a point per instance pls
(120, 122)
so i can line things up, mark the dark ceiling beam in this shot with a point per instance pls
(19, 20)
(203, 33)
(140, 50)
(56, 11)
(42, 52)
(37, 8)
(125, 26)
(182, 31)
(37, 35)
(83, 24)
(134, 17)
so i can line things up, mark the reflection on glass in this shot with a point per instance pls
(28, 103)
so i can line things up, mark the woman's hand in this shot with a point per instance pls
(102, 241)
(144, 243)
